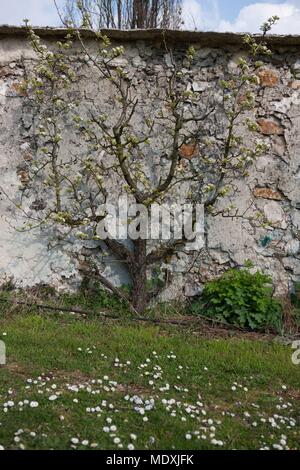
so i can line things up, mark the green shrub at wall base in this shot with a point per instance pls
(241, 298)
(295, 297)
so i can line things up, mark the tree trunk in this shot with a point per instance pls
(139, 276)
(119, 8)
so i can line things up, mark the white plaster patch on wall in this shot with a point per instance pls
(3, 89)
(25, 257)
(13, 50)
(284, 105)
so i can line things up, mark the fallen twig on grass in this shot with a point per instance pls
(52, 307)
(186, 321)
(87, 312)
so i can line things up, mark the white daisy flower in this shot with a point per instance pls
(33, 404)
(53, 397)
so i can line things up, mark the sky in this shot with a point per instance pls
(213, 15)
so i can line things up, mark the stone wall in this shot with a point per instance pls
(273, 186)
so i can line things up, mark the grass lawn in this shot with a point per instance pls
(75, 383)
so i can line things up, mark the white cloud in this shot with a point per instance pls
(200, 14)
(204, 15)
(39, 12)
(251, 17)
(192, 14)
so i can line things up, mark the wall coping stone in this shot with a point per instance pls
(205, 38)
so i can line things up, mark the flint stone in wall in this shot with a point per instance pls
(219, 256)
(9, 71)
(267, 193)
(295, 84)
(289, 185)
(208, 62)
(278, 146)
(296, 68)
(292, 264)
(192, 290)
(3, 88)
(204, 52)
(285, 104)
(296, 218)
(200, 86)
(281, 281)
(262, 163)
(168, 60)
(268, 78)
(269, 127)
(138, 62)
(275, 215)
(25, 146)
(174, 289)
(119, 62)
(292, 247)
(233, 62)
